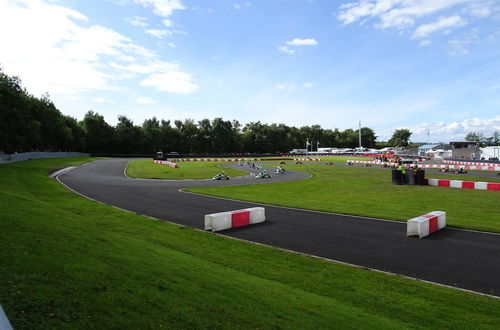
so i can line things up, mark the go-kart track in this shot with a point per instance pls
(459, 258)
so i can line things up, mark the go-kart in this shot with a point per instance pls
(282, 162)
(298, 162)
(263, 175)
(220, 176)
(460, 170)
(279, 170)
(349, 163)
(445, 169)
(329, 163)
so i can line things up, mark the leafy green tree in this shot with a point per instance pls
(99, 136)
(129, 138)
(400, 138)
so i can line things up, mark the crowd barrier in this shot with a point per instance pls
(234, 219)
(165, 162)
(426, 224)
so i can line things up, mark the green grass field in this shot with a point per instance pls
(369, 192)
(71, 263)
(146, 169)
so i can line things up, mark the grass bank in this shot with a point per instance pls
(369, 192)
(146, 169)
(71, 263)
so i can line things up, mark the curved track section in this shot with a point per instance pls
(459, 258)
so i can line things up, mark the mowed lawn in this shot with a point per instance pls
(70, 263)
(369, 192)
(146, 169)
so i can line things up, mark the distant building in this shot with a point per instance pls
(490, 153)
(465, 150)
(422, 150)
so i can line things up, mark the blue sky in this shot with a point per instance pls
(426, 65)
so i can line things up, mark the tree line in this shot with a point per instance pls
(28, 123)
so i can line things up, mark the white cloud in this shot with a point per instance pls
(404, 15)
(302, 42)
(174, 82)
(446, 132)
(63, 54)
(137, 21)
(144, 100)
(163, 8)
(461, 46)
(425, 43)
(442, 23)
(285, 49)
(102, 100)
(308, 85)
(171, 45)
(168, 22)
(289, 46)
(393, 13)
(159, 33)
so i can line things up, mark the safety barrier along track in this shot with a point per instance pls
(464, 184)
(242, 159)
(493, 167)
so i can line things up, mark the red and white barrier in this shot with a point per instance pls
(165, 162)
(426, 224)
(307, 159)
(464, 184)
(234, 219)
(477, 166)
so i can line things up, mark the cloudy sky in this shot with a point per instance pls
(426, 65)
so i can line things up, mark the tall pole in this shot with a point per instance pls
(360, 134)
(307, 146)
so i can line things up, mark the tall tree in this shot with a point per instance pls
(400, 138)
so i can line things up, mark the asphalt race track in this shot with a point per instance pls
(459, 258)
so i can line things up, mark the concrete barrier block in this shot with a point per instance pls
(418, 226)
(481, 185)
(443, 183)
(493, 186)
(432, 182)
(456, 183)
(257, 215)
(218, 221)
(441, 216)
(468, 184)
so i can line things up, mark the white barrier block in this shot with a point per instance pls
(257, 215)
(218, 221)
(418, 226)
(441, 218)
(481, 185)
(456, 183)
(432, 182)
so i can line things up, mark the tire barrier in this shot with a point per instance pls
(426, 224)
(234, 219)
(495, 186)
(165, 162)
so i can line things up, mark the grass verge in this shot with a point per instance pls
(187, 170)
(71, 263)
(369, 192)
